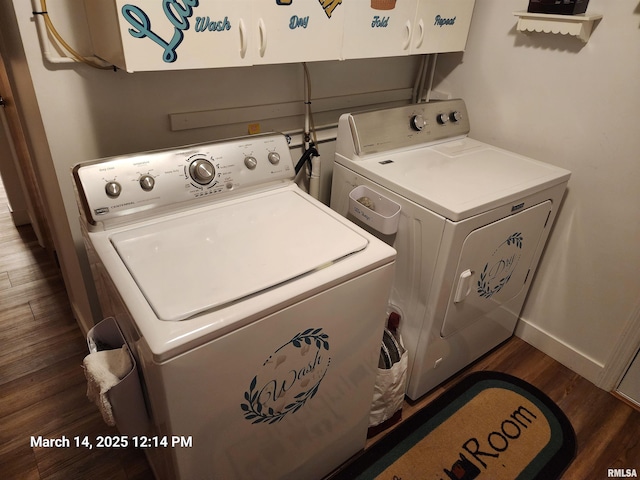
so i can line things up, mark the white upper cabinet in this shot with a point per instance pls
(148, 35)
(378, 28)
(441, 26)
(297, 30)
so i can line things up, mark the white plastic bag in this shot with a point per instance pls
(388, 393)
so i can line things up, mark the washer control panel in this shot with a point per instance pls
(115, 187)
(400, 127)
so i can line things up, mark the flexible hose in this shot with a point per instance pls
(75, 55)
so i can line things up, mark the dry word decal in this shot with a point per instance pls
(289, 378)
(497, 271)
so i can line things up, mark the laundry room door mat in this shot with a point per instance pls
(488, 426)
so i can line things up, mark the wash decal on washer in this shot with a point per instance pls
(288, 378)
(497, 271)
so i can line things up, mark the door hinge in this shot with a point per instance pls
(2, 102)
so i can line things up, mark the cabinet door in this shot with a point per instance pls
(441, 26)
(297, 30)
(166, 36)
(378, 28)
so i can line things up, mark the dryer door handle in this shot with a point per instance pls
(464, 286)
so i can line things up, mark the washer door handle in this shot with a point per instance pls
(464, 286)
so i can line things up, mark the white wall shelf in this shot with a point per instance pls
(576, 25)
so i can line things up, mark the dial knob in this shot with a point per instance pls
(442, 118)
(113, 189)
(147, 182)
(455, 116)
(274, 158)
(250, 162)
(202, 171)
(418, 122)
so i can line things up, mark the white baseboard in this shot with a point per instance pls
(560, 351)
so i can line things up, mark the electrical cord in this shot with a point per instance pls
(306, 157)
(312, 125)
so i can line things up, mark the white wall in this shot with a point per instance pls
(574, 105)
(89, 113)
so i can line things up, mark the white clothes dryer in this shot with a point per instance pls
(472, 222)
(254, 312)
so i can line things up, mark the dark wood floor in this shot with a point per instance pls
(43, 391)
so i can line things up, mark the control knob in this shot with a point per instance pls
(274, 158)
(113, 189)
(418, 122)
(202, 171)
(455, 116)
(442, 118)
(250, 162)
(147, 182)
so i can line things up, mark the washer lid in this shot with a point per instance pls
(461, 178)
(213, 257)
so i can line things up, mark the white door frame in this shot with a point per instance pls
(623, 353)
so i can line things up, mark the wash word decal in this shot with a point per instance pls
(288, 378)
(178, 13)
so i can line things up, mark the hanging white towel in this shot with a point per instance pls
(104, 370)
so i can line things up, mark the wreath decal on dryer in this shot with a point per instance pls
(268, 389)
(502, 265)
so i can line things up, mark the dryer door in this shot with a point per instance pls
(493, 266)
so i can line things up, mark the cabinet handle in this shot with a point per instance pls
(262, 29)
(407, 41)
(421, 37)
(243, 38)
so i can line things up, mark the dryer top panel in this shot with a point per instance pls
(423, 153)
(459, 178)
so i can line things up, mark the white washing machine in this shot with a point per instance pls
(471, 222)
(254, 312)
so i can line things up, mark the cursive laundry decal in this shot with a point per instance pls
(178, 13)
(298, 22)
(380, 22)
(497, 272)
(288, 378)
(441, 21)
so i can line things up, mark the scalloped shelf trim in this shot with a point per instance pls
(575, 25)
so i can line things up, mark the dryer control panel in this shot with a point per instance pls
(115, 187)
(400, 127)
